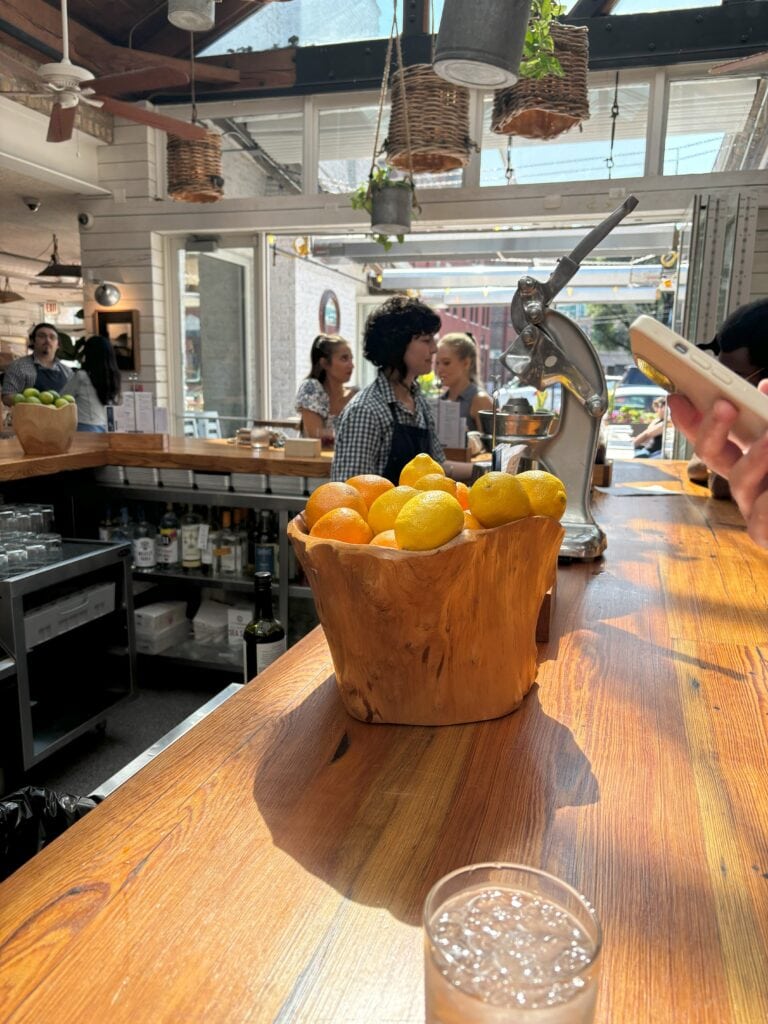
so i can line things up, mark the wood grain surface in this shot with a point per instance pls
(92, 450)
(271, 865)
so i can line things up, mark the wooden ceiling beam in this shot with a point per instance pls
(38, 27)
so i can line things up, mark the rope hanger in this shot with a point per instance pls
(394, 40)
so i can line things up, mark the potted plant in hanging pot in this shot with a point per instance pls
(551, 93)
(390, 203)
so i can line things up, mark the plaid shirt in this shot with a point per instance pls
(364, 429)
(22, 373)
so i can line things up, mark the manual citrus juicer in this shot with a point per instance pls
(551, 349)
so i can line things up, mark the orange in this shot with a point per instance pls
(498, 498)
(333, 495)
(436, 482)
(546, 493)
(370, 486)
(470, 523)
(462, 495)
(385, 539)
(418, 466)
(383, 511)
(428, 521)
(342, 524)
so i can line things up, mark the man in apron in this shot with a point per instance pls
(41, 369)
(389, 422)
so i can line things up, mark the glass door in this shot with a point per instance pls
(217, 351)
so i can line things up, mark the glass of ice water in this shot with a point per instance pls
(509, 944)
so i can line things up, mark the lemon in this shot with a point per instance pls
(31, 393)
(18, 398)
(428, 521)
(69, 398)
(436, 482)
(47, 398)
(419, 466)
(383, 511)
(546, 493)
(498, 498)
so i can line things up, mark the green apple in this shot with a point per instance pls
(31, 393)
(18, 398)
(46, 397)
(61, 403)
(32, 400)
(69, 398)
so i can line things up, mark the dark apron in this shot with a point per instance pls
(407, 441)
(50, 378)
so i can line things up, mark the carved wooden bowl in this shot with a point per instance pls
(43, 429)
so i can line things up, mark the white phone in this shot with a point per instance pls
(677, 365)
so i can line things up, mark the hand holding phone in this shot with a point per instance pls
(678, 366)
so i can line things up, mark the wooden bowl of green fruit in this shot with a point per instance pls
(44, 421)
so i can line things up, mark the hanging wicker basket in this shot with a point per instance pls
(194, 169)
(438, 122)
(543, 108)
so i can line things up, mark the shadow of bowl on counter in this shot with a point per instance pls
(380, 812)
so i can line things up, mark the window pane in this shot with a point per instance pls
(345, 146)
(713, 125)
(307, 23)
(271, 163)
(576, 155)
(648, 6)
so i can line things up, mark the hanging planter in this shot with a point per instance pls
(194, 169)
(428, 123)
(389, 202)
(543, 108)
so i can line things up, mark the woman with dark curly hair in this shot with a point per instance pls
(389, 422)
(96, 385)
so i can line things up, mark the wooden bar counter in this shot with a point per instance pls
(89, 451)
(271, 865)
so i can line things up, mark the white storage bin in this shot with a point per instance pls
(155, 643)
(39, 625)
(154, 618)
(210, 624)
(286, 484)
(177, 477)
(212, 481)
(110, 474)
(57, 617)
(142, 475)
(248, 483)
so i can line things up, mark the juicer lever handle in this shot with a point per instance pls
(568, 265)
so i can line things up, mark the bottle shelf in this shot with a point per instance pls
(241, 584)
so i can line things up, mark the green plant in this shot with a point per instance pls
(539, 49)
(362, 198)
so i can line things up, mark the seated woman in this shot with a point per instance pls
(649, 442)
(456, 366)
(324, 392)
(96, 385)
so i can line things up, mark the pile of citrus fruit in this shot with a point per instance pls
(427, 509)
(31, 396)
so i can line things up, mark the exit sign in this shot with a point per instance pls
(51, 308)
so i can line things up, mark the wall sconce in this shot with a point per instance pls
(107, 294)
(479, 45)
(191, 15)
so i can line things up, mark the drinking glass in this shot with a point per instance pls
(7, 520)
(17, 557)
(509, 944)
(52, 542)
(3, 562)
(327, 438)
(37, 552)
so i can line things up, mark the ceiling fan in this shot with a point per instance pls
(69, 86)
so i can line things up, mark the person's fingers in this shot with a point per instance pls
(762, 386)
(711, 441)
(685, 417)
(748, 478)
(757, 523)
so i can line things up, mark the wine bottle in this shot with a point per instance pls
(190, 540)
(263, 637)
(264, 551)
(168, 555)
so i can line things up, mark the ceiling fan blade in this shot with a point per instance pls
(139, 80)
(61, 124)
(183, 129)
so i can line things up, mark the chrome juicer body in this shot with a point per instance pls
(552, 349)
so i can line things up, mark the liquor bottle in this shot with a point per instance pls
(144, 547)
(264, 549)
(210, 537)
(263, 637)
(190, 540)
(168, 541)
(228, 549)
(239, 529)
(105, 525)
(122, 529)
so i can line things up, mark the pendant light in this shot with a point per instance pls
(7, 295)
(480, 42)
(191, 15)
(56, 268)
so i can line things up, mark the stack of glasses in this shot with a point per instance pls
(26, 538)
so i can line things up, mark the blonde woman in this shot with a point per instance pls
(456, 366)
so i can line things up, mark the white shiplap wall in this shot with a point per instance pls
(759, 285)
